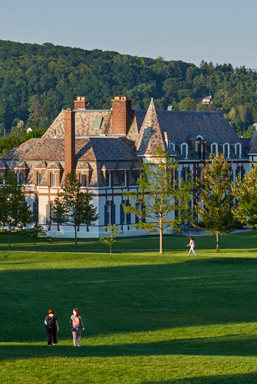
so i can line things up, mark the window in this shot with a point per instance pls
(48, 213)
(137, 217)
(113, 214)
(238, 150)
(83, 180)
(214, 149)
(40, 177)
(122, 215)
(136, 174)
(20, 178)
(201, 149)
(123, 178)
(35, 211)
(97, 123)
(226, 151)
(108, 179)
(53, 179)
(107, 214)
(184, 150)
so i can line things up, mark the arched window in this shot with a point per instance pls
(226, 150)
(184, 150)
(238, 150)
(214, 148)
(172, 145)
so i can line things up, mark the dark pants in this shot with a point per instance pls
(51, 333)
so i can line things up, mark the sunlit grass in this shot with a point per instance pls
(149, 318)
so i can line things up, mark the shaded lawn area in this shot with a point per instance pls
(145, 243)
(149, 318)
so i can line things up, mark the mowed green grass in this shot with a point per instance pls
(143, 243)
(149, 318)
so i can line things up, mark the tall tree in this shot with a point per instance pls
(73, 206)
(160, 194)
(215, 197)
(13, 211)
(245, 191)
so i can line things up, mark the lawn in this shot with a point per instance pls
(124, 244)
(149, 318)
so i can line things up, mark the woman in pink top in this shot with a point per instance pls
(192, 246)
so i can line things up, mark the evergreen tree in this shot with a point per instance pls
(245, 209)
(215, 197)
(73, 206)
(13, 211)
(159, 195)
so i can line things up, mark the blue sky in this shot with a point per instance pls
(214, 30)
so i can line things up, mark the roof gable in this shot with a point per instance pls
(150, 136)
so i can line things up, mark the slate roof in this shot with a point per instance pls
(21, 165)
(84, 122)
(180, 126)
(55, 166)
(150, 135)
(102, 149)
(147, 130)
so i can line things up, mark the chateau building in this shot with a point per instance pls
(106, 149)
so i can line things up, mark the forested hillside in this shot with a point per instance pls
(37, 81)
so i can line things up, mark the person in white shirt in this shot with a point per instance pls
(192, 246)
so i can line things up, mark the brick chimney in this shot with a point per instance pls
(121, 115)
(69, 140)
(81, 103)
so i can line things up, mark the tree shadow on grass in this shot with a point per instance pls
(129, 298)
(217, 379)
(223, 260)
(216, 346)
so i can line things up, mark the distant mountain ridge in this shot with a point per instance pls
(37, 81)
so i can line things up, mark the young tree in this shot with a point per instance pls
(111, 232)
(216, 197)
(159, 195)
(245, 210)
(73, 206)
(13, 212)
(35, 233)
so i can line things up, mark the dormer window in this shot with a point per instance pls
(214, 149)
(53, 179)
(108, 179)
(184, 150)
(200, 146)
(20, 178)
(226, 150)
(83, 179)
(39, 177)
(238, 150)
(169, 144)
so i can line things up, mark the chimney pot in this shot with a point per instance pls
(81, 103)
